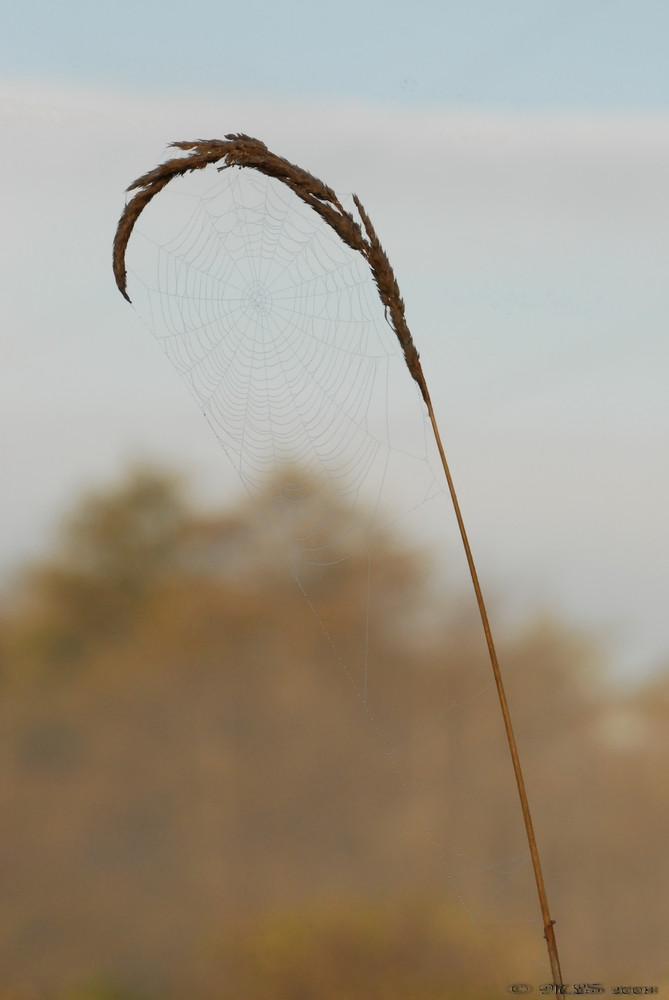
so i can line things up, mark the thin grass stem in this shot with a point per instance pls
(549, 925)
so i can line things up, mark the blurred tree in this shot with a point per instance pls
(98, 990)
(377, 949)
(184, 744)
(113, 552)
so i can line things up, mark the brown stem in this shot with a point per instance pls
(549, 931)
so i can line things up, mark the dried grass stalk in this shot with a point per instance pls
(243, 151)
(239, 150)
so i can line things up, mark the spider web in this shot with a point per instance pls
(277, 329)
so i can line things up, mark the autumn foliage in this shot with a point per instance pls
(198, 803)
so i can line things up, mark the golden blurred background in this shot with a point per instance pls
(197, 802)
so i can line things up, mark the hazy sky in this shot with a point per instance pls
(491, 53)
(514, 158)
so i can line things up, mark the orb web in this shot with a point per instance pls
(277, 328)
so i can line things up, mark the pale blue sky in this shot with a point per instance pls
(513, 156)
(493, 53)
